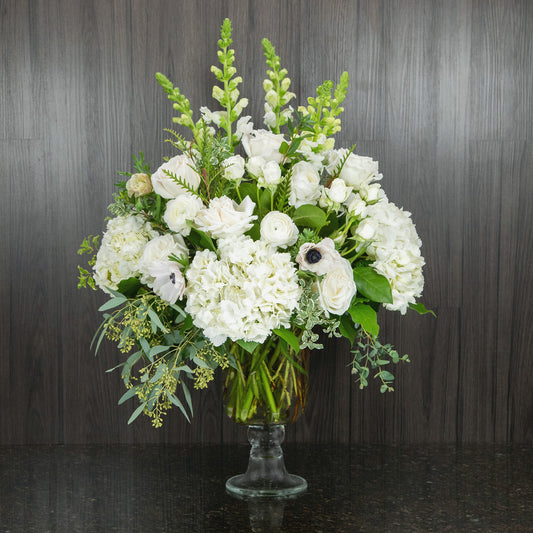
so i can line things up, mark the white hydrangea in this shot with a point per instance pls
(245, 294)
(122, 246)
(395, 248)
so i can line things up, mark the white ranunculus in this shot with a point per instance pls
(181, 167)
(168, 281)
(234, 168)
(264, 144)
(224, 218)
(319, 258)
(159, 250)
(305, 184)
(337, 288)
(278, 229)
(270, 175)
(181, 209)
(139, 185)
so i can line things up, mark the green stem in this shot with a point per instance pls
(268, 393)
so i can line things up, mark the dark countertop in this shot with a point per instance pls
(180, 489)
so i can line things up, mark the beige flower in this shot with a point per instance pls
(139, 185)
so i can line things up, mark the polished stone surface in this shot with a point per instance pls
(180, 489)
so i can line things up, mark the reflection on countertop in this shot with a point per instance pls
(180, 489)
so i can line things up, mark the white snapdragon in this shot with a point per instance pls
(122, 246)
(278, 229)
(305, 184)
(181, 167)
(181, 209)
(225, 218)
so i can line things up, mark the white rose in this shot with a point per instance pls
(234, 168)
(224, 218)
(181, 209)
(319, 258)
(335, 194)
(278, 229)
(255, 166)
(367, 228)
(139, 185)
(271, 175)
(371, 192)
(359, 170)
(305, 184)
(264, 144)
(158, 250)
(180, 166)
(356, 206)
(337, 288)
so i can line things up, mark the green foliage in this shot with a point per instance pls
(372, 356)
(371, 284)
(89, 245)
(420, 308)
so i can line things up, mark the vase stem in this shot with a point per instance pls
(266, 474)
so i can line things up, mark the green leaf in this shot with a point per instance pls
(155, 350)
(112, 303)
(137, 412)
(288, 336)
(310, 216)
(372, 285)
(176, 402)
(366, 316)
(127, 395)
(201, 239)
(129, 287)
(249, 346)
(386, 376)
(156, 322)
(347, 329)
(161, 369)
(187, 395)
(420, 308)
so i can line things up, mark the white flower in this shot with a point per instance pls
(214, 117)
(356, 171)
(355, 205)
(234, 168)
(122, 246)
(270, 176)
(255, 165)
(305, 184)
(169, 282)
(278, 229)
(181, 209)
(224, 218)
(139, 185)
(159, 250)
(371, 193)
(243, 127)
(335, 194)
(264, 144)
(337, 288)
(181, 167)
(318, 258)
(245, 294)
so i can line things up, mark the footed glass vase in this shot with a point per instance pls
(266, 391)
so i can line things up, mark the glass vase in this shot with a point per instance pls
(266, 390)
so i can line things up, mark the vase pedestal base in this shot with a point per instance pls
(266, 476)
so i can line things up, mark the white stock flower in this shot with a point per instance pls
(337, 288)
(168, 281)
(122, 246)
(264, 144)
(181, 167)
(319, 258)
(305, 184)
(158, 250)
(181, 209)
(224, 218)
(278, 229)
(245, 294)
(234, 168)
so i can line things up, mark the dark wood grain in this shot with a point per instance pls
(441, 94)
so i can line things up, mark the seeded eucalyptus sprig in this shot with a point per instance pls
(228, 94)
(276, 88)
(324, 108)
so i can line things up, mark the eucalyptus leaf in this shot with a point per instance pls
(156, 322)
(112, 303)
(130, 393)
(137, 412)
(160, 371)
(174, 399)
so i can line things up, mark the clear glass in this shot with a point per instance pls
(266, 475)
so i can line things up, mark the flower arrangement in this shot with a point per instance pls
(235, 251)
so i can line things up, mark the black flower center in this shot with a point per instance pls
(173, 278)
(313, 256)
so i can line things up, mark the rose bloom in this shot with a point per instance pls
(335, 194)
(278, 229)
(181, 167)
(319, 258)
(263, 143)
(357, 169)
(224, 218)
(337, 288)
(271, 175)
(181, 209)
(305, 184)
(234, 168)
(139, 185)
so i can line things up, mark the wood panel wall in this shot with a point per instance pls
(441, 94)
